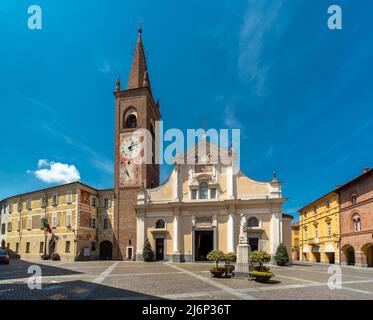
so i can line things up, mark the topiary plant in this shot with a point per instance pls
(147, 251)
(217, 256)
(259, 257)
(260, 273)
(230, 257)
(281, 256)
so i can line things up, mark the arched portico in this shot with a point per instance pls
(367, 250)
(349, 255)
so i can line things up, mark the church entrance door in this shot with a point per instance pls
(204, 243)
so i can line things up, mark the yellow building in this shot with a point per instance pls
(319, 230)
(295, 255)
(80, 218)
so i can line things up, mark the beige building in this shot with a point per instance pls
(80, 218)
(201, 207)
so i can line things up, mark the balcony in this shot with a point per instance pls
(314, 241)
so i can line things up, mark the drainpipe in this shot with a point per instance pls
(340, 230)
(45, 216)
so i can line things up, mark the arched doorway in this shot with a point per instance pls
(349, 253)
(106, 250)
(368, 251)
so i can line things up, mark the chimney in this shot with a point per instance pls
(337, 186)
(366, 170)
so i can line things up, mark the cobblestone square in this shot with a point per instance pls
(112, 280)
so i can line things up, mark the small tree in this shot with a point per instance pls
(230, 257)
(217, 256)
(281, 256)
(147, 251)
(259, 257)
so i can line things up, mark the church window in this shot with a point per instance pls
(203, 190)
(194, 194)
(160, 224)
(252, 222)
(213, 193)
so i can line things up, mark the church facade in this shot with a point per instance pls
(203, 206)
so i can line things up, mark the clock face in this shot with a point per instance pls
(130, 156)
(131, 147)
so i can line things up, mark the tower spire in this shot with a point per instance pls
(139, 76)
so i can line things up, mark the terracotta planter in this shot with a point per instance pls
(217, 274)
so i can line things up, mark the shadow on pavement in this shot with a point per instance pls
(70, 290)
(18, 269)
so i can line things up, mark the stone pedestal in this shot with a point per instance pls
(242, 266)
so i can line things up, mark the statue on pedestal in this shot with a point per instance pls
(242, 267)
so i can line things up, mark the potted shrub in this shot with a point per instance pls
(230, 259)
(147, 252)
(217, 256)
(281, 257)
(260, 273)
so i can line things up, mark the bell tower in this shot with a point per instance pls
(135, 111)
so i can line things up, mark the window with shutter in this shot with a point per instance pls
(54, 220)
(68, 219)
(28, 204)
(69, 197)
(106, 202)
(55, 199)
(29, 223)
(43, 201)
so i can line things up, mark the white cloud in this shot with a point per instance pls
(55, 172)
(230, 119)
(104, 67)
(99, 162)
(258, 21)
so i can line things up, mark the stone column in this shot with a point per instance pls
(275, 236)
(176, 238)
(141, 236)
(230, 231)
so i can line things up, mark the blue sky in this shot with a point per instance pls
(300, 93)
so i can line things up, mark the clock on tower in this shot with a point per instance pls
(135, 110)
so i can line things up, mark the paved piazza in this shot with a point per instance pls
(137, 280)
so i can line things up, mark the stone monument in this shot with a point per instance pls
(242, 266)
